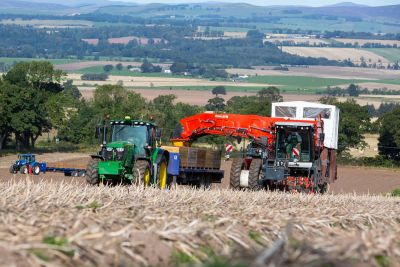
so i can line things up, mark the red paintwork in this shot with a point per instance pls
(235, 125)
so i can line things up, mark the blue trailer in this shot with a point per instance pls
(68, 171)
(27, 164)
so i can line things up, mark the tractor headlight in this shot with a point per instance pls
(109, 153)
(120, 153)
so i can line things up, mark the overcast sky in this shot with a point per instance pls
(281, 2)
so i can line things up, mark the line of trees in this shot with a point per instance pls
(35, 99)
(20, 41)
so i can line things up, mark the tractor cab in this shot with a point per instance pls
(294, 142)
(25, 159)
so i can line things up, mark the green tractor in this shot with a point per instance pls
(130, 153)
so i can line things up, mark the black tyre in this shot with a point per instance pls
(236, 169)
(24, 170)
(12, 169)
(92, 172)
(36, 170)
(254, 174)
(141, 173)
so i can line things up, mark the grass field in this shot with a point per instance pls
(301, 81)
(69, 224)
(10, 60)
(391, 54)
(49, 23)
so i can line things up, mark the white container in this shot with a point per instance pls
(302, 110)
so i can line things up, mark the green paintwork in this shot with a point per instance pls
(115, 168)
(153, 159)
(110, 167)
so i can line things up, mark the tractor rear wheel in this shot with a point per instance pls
(141, 173)
(36, 170)
(236, 169)
(254, 174)
(92, 172)
(162, 175)
(24, 170)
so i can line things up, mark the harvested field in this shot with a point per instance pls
(310, 41)
(139, 40)
(366, 41)
(238, 35)
(353, 54)
(198, 97)
(49, 223)
(322, 72)
(371, 86)
(141, 81)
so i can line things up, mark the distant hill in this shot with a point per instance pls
(345, 9)
(346, 4)
(193, 10)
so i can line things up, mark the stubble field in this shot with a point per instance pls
(52, 220)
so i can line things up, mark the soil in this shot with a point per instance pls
(352, 180)
(357, 180)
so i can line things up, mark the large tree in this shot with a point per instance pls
(389, 135)
(26, 90)
(354, 122)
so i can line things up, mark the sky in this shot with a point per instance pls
(281, 2)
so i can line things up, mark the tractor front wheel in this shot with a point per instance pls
(92, 172)
(141, 173)
(12, 169)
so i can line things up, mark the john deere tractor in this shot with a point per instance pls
(130, 153)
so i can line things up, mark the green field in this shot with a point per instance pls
(11, 60)
(391, 54)
(301, 81)
(46, 23)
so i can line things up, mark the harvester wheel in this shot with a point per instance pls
(24, 170)
(236, 169)
(141, 173)
(92, 172)
(162, 173)
(254, 174)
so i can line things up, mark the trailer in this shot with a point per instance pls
(194, 166)
(27, 164)
(68, 171)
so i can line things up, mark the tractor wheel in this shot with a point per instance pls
(12, 169)
(36, 170)
(254, 174)
(92, 172)
(162, 175)
(24, 170)
(141, 173)
(236, 169)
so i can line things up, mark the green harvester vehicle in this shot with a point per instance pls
(130, 153)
